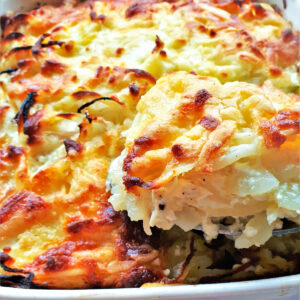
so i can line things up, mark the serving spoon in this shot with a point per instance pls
(236, 233)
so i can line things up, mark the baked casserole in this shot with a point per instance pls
(125, 124)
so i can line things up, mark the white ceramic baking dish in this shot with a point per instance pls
(282, 288)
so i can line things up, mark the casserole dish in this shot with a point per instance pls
(262, 289)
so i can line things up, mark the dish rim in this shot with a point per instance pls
(279, 284)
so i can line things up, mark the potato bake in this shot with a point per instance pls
(80, 84)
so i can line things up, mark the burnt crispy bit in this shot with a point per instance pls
(212, 33)
(71, 145)
(201, 97)
(134, 239)
(77, 226)
(271, 134)
(177, 151)
(287, 35)
(14, 36)
(82, 107)
(128, 160)
(158, 44)
(17, 281)
(137, 277)
(143, 141)
(94, 17)
(132, 181)
(14, 151)
(18, 49)
(87, 116)
(209, 123)
(32, 127)
(142, 74)
(36, 48)
(140, 145)
(163, 53)
(9, 71)
(119, 51)
(55, 259)
(23, 113)
(4, 21)
(133, 89)
(134, 10)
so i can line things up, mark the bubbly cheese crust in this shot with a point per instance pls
(199, 150)
(57, 140)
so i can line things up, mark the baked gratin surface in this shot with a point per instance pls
(70, 80)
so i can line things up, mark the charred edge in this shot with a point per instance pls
(238, 2)
(23, 113)
(39, 44)
(52, 43)
(134, 10)
(131, 181)
(287, 35)
(133, 237)
(94, 17)
(14, 151)
(143, 141)
(77, 226)
(134, 90)
(177, 151)
(87, 116)
(201, 97)
(4, 21)
(137, 277)
(209, 123)
(71, 145)
(142, 74)
(17, 49)
(119, 51)
(68, 116)
(158, 44)
(9, 71)
(94, 101)
(15, 280)
(32, 126)
(14, 36)
(84, 94)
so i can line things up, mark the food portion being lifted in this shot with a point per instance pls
(199, 151)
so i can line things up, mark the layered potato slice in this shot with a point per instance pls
(199, 150)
